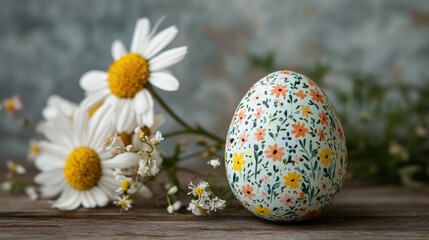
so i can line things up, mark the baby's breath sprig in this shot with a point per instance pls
(14, 183)
(148, 164)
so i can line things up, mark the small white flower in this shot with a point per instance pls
(130, 148)
(217, 204)
(214, 162)
(170, 209)
(177, 205)
(157, 138)
(114, 145)
(126, 184)
(12, 105)
(148, 167)
(421, 131)
(31, 193)
(198, 190)
(200, 206)
(34, 150)
(124, 202)
(6, 186)
(15, 168)
(172, 190)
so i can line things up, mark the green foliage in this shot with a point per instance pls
(386, 124)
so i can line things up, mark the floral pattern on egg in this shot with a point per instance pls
(285, 151)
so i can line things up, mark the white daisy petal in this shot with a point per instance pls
(65, 194)
(47, 162)
(50, 131)
(160, 41)
(84, 199)
(107, 189)
(70, 203)
(143, 101)
(57, 105)
(92, 100)
(167, 59)
(118, 50)
(148, 118)
(81, 127)
(93, 81)
(100, 125)
(100, 197)
(89, 199)
(121, 160)
(52, 190)
(51, 176)
(157, 122)
(53, 149)
(164, 81)
(126, 121)
(140, 36)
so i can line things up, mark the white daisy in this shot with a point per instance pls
(74, 163)
(123, 87)
(57, 105)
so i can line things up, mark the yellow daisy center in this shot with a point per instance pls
(9, 105)
(35, 149)
(83, 169)
(199, 191)
(125, 185)
(128, 75)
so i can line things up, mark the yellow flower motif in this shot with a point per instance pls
(238, 161)
(305, 110)
(262, 211)
(325, 156)
(292, 180)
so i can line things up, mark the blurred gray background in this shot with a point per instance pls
(46, 45)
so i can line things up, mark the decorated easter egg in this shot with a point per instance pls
(285, 150)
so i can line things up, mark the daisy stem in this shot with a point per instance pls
(187, 128)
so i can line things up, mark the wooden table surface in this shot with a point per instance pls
(358, 213)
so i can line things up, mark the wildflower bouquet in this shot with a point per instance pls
(106, 149)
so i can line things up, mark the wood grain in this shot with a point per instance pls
(358, 213)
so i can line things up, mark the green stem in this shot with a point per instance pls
(187, 128)
(168, 109)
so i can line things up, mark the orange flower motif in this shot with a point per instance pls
(321, 134)
(241, 116)
(301, 94)
(259, 112)
(278, 90)
(242, 138)
(340, 133)
(275, 153)
(299, 130)
(323, 118)
(247, 190)
(311, 213)
(286, 72)
(316, 96)
(260, 134)
(311, 82)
